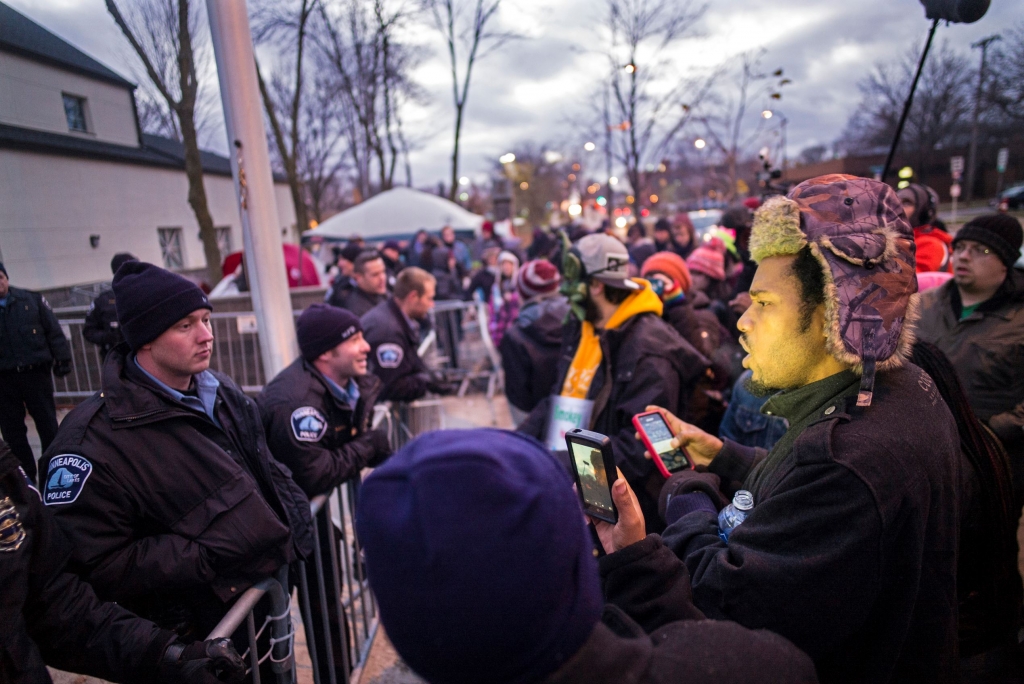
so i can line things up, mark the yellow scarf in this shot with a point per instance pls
(588, 354)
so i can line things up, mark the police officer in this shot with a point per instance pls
(317, 415)
(343, 282)
(48, 616)
(392, 329)
(163, 480)
(31, 343)
(369, 284)
(101, 326)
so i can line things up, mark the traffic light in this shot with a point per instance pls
(956, 11)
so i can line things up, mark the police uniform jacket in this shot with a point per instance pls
(101, 325)
(320, 438)
(162, 504)
(29, 332)
(393, 353)
(48, 614)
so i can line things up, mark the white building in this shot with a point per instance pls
(79, 181)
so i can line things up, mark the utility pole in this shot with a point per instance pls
(972, 154)
(254, 183)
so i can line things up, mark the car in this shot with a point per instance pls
(1013, 196)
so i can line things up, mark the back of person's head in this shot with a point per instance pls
(120, 258)
(479, 557)
(663, 224)
(993, 552)
(412, 279)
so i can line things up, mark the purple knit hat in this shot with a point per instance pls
(857, 229)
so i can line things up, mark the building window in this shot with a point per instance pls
(74, 112)
(224, 240)
(170, 248)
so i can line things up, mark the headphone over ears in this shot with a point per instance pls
(574, 278)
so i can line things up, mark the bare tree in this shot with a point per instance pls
(1007, 86)
(939, 118)
(639, 35)
(322, 157)
(369, 68)
(286, 25)
(468, 40)
(163, 34)
(730, 119)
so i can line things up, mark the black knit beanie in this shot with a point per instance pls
(322, 327)
(1000, 232)
(149, 300)
(119, 259)
(2, 269)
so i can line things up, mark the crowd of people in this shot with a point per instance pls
(835, 353)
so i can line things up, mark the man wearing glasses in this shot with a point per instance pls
(977, 320)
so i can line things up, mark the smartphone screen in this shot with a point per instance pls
(657, 431)
(593, 478)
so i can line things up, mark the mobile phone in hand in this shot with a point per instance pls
(593, 467)
(657, 437)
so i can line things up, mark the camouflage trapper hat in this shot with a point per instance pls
(857, 229)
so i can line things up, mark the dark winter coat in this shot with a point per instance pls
(354, 299)
(30, 334)
(644, 362)
(483, 282)
(48, 614)
(101, 325)
(987, 350)
(393, 353)
(340, 449)
(174, 516)
(530, 350)
(651, 633)
(850, 550)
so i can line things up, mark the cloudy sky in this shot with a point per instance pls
(534, 87)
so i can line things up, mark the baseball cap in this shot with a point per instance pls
(606, 259)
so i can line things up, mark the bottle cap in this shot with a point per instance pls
(743, 500)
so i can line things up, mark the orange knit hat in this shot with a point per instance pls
(672, 265)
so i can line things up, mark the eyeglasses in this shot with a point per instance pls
(973, 250)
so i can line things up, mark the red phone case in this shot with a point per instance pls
(650, 447)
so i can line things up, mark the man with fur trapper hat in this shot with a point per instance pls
(850, 549)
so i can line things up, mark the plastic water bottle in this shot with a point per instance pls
(735, 513)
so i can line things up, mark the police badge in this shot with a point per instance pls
(12, 532)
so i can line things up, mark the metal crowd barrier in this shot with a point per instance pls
(335, 584)
(459, 345)
(462, 346)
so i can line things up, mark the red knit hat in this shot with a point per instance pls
(672, 265)
(709, 259)
(537, 278)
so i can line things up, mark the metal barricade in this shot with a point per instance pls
(463, 347)
(331, 585)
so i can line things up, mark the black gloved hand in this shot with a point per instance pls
(201, 662)
(687, 481)
(378, 439)
(62, 368)
(439, 384)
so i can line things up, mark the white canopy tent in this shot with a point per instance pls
(396, 213)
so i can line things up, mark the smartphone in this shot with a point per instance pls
(657, 437)
(593, 466)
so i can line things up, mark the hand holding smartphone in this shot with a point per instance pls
(593, 467)
(657, 437)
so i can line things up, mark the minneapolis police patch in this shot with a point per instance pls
(390, 355)
(65, 478)
(308, 424)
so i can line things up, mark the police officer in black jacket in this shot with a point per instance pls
(101, 326)
(369, 284)
(317, 415)
(49, 616)
(392, 329)
(31, 343)
(163, 480)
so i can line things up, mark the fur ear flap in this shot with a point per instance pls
(776, 230)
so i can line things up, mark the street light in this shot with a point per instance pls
(767, 113)
(589, 147)
(464, 180)
(630, 68)
(699, 143)
(507, 158)
(613, 180)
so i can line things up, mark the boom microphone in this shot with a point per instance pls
(956, 11)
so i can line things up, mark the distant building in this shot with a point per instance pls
(79, 181)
